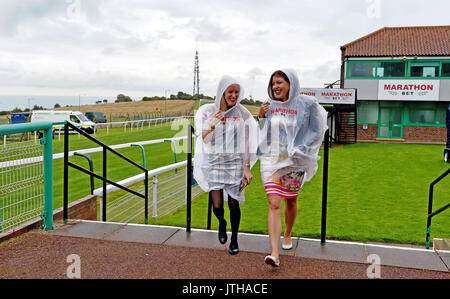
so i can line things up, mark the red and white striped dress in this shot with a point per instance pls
(287, 186)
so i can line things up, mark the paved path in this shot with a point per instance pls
(111, 250)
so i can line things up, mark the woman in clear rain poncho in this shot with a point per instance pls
(225, 151)
(292, 127)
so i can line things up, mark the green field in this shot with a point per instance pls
(377, 192)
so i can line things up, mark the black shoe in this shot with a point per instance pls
(234, 248)
(223, 232)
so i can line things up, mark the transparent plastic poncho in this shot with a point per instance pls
(291, 134)
(219, 162)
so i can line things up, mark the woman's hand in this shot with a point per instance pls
(263, 109)
(247, 178)
(207, 134)
(217, 118)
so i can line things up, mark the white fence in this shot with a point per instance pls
(167, 192)
(139, 124)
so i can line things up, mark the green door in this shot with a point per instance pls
(390, 123)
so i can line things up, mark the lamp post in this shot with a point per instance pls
(79, 101)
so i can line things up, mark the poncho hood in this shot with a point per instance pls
(294, 90)
(292, 133)
(225, 82)
(219, 161)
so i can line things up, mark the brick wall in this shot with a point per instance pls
(369, 134)
(84, 209)
(410, 134)
(429, 134)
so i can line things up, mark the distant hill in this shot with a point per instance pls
(182, 107)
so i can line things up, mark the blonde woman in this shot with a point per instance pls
(224, 154)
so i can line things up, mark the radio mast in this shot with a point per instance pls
(196, 89)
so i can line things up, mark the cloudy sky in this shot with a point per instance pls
(100, 48)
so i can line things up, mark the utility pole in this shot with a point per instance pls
(165, 101)
(196, 89)
(79, 100)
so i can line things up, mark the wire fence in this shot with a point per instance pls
(22, 184)
(167, 193)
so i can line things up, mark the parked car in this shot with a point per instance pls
(96, 116)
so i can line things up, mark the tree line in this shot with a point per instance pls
(181, 96)
(124, 98)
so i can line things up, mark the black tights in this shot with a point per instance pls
(235, 211)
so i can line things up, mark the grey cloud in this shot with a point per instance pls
(207, 30)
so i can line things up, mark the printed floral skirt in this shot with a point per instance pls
(287, 186)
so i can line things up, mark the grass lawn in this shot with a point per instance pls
(377, 192)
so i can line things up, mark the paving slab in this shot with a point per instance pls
(261, 244)
(445, 257)
(88, 229)
(336, 251)
(142, 234)
(198, 239)
(407, 257)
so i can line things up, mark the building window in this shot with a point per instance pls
(398, 69)
(420, 116)
(427, 114)
(362, 69)
(391, 69)
(445, 69)
(367, 112)
(425, 69)
(385, 69)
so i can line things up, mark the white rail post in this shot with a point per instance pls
(155, 196)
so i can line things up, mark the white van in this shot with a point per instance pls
(75, 117)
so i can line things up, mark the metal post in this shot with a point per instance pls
(430, 210)
(143, 154)
(325, 189)
(174, 148)
(189, 180)
(66, 173)
(1, 216)
(146, 197)
(47, 141)
(155, 196)
(104, 185)
(91, 168)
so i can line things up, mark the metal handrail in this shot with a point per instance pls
(431, 214)
(102, 177)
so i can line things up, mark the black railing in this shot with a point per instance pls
(323, 228)
(431, 214)
(189, 180)
(102, 177)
